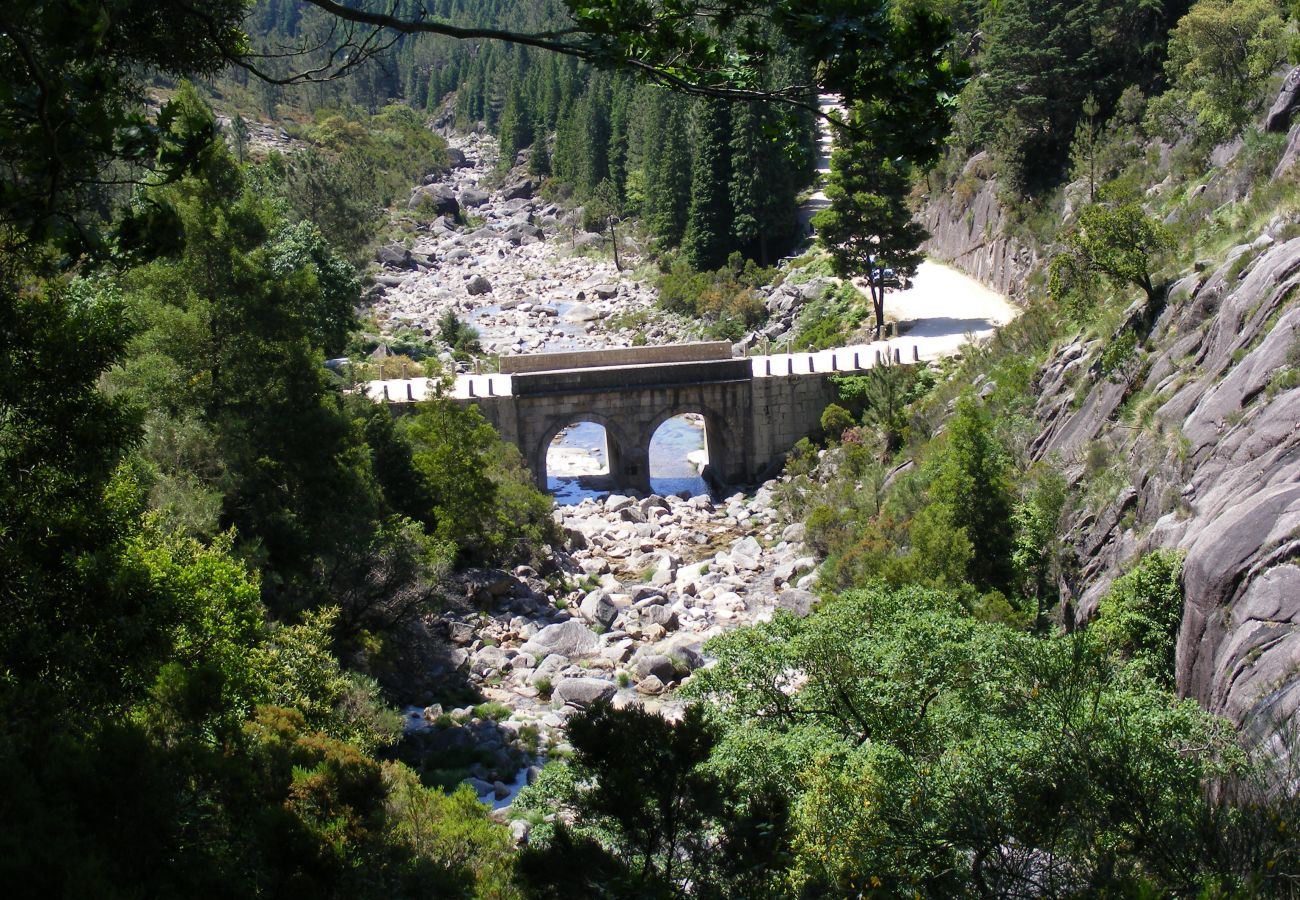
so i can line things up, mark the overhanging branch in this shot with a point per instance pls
(573, 42)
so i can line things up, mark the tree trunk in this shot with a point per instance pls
(876, 281)
(613, 239)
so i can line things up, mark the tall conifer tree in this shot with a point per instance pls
(708, 222)
(746, 178)
(668, 189)
(868, 227)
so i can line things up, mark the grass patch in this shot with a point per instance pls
(492, 711)
(828, 321)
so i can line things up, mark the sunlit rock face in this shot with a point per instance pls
(1206, 433)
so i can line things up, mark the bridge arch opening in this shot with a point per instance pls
(580, 459)
(682, 447)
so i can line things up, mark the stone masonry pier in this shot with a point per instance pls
(754, 409)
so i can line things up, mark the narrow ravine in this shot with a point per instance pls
(646, 581)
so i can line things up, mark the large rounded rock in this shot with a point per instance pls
(596, 608)
(799, 602)
(745, 554)
(520, 190)
(478, 285)
(473, 197)
(684, 651)
(651, 685)
(582, 692)
(547, 669)
(395, 256)
(654, 664)
(435, 197)
(571, 639)
(580, 313)
(639, 592)
(657, 614)
(488, 660)
(522, 233)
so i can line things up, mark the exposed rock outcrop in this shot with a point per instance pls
(1206, 430)
(1288, 98)
(969, 229)
(437, 197)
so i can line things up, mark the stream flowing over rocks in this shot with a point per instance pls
(652, 579)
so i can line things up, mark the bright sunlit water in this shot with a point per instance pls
(583, 446)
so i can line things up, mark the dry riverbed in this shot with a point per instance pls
(625, 610)
(645, 582)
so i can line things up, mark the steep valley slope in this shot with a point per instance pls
(1189, 440)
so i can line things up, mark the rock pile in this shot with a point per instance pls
(652, 580)
(784, 303)
(504, 261)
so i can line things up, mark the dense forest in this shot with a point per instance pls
(703, 175)
(221, 565)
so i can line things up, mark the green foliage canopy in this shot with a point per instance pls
(926, 753)
(1220, 56)
(1123, 243)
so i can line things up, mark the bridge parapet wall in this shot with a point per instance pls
(577, 381)
(629, 356)
(785, 410)
(750, 421)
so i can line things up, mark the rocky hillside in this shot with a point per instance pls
(1180, 428)
(1199, 437)
(969, 228)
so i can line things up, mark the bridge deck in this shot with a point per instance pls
(847, 360)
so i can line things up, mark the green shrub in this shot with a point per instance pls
(823, 529)
(1118, 353)
(457, 335)
(531, 737)
(725, 300)
(1139, 617)
(826, 321)
(801, 459)
(455, 848)
(492, 710)
(544, 687)
(836, 420)
(484, 499)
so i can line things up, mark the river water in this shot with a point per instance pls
(577, 456)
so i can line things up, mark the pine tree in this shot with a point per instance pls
(708, 222)
(779, 182)
(593, 148)
(746, 178)
(620, 97)
(516, 131)
(868, 228)
(668, 189)
(540, 162)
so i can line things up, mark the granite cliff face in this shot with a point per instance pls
(1181, 430)
(1192, 442)
(968, 228)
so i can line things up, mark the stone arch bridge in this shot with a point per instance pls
(754, 409)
